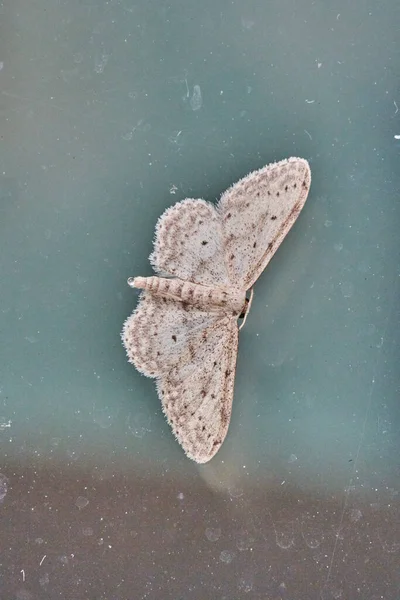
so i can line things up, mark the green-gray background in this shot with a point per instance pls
(110, 112)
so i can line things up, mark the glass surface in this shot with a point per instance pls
(110, 112)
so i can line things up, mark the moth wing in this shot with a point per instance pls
(162, 333)
(257, 212)
(197, 396)
(189, 243)
(192, 353)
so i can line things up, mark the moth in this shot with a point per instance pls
(184, 331)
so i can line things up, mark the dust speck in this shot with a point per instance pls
(4, 423)
(355, 515)
(44, 580)
(3, 487)
(347, 289)
(23, 594)
(245, 585)
(244, 541)
(101, 63)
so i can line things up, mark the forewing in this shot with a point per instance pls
(162, 334)
(189, 243)
(197, 396)
(257, 213)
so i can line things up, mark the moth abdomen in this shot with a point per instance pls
(192, 293)
(159, 286)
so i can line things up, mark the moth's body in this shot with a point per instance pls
(230, 300)
(184, 331)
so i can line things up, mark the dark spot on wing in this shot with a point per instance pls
(255, 244)
(174, 338)
(204, 243)
(273, 218)
(277, 193)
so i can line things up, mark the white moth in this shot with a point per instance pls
(184, 331)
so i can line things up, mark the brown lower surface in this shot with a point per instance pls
(96, 535)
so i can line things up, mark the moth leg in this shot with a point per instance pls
(247, 309)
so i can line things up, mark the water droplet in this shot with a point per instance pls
(81, 502)
(213, 534)
(226, 556)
